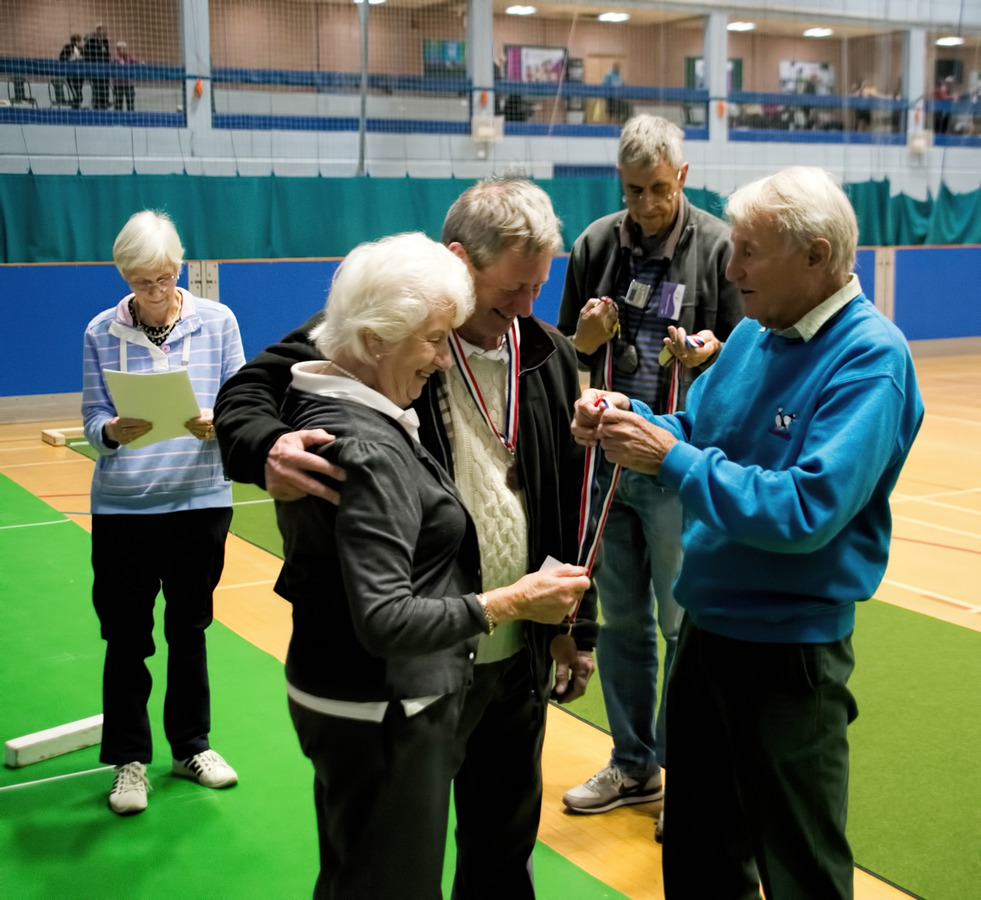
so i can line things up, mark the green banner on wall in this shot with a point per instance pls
(75, 218)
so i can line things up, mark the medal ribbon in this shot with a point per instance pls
(677, 368)
(509, 437)
(593, 509)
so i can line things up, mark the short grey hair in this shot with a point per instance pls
(148, 241)
(501, 212)
(390, 287)
(803, 203)
(646, 140)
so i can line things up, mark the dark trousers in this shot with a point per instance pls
(75, 89)
(382, 796)
(498, 787)
(100, 93)
(132, 557)
(758, 783)
(124, 94)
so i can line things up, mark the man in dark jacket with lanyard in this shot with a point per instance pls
(519, 473)
(647, 305)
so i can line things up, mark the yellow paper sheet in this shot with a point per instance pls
(164, 398)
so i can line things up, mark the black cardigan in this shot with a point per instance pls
(382, 586)
(248, 423)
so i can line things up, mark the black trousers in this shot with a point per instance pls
(124, 94)
(133, 556)
(382, 796)
(498, 786)
(758, 783)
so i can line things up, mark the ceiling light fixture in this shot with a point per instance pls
(951, 41)
(741, 26)
(521, 10)
(614, 17)
(818, 32)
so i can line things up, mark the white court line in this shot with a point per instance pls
(245, 584)
(970, 534)
(967, 607)
(34, 524)
(951, 506)
(929, 498)
(251, 502)
(935, 416)
(11, 787)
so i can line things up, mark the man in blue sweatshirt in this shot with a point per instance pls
(784, 460)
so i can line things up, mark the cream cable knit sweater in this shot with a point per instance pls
(480, 463)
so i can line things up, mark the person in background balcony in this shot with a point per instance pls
(72, 52)
(96, 50)
(123, 90)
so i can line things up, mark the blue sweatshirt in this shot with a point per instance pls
(177, 474)
(787, 454)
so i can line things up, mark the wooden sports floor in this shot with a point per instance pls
(933, 569)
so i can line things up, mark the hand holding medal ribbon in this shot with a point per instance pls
(670, 357)
(594, 506)
(593, 511)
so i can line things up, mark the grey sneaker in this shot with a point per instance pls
(610, 788)
(129, 787)
(207, 768)
(659, 828)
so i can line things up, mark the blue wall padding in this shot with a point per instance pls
(46, 307)
(938, 292)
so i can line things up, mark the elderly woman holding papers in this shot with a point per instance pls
(160, 509)
(385, 587)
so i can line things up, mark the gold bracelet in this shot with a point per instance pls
(491, 624)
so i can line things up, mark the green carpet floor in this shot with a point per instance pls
(57, 836)
(915, 794)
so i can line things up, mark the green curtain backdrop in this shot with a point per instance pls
(74, 218)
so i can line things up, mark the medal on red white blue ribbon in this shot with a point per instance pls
(508, 435)
(594, 507)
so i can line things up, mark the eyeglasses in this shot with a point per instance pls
(147, 287)
(660, 193)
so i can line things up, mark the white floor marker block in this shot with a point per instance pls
(58, 436)
(32, 748)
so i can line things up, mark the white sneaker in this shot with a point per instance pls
(129, 787)
(207, 768)
(610, 788)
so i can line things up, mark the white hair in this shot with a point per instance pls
(803, 203)
(148, 241)
(390, 287)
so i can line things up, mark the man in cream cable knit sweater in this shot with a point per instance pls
(498, 421)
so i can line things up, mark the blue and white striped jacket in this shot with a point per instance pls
(177, 474)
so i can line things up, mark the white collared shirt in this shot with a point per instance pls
(311, 378)
(810, 323)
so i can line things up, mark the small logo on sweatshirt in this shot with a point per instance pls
(783, 422)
